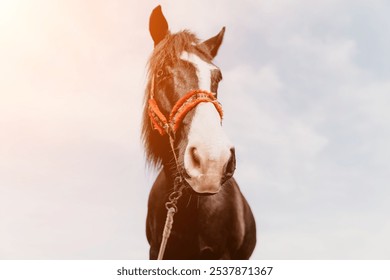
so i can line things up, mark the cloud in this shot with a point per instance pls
(310, 129)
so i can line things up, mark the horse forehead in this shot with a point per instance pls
(197, 61)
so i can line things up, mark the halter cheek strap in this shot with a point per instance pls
(180, 110)
(158, 120)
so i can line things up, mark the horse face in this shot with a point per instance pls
(206, 156)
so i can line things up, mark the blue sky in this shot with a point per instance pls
(305, 95)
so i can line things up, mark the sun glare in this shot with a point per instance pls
(9, 8)
(12, 13)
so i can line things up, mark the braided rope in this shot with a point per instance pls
(171, 206)
(166, 232)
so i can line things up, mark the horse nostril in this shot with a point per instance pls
(195, 157)
(231, 165)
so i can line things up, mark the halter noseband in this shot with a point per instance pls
(185, 104)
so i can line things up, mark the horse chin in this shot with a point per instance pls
(201, 186)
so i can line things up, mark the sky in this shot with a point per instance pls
(305, 95)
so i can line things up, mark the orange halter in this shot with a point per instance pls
(179, 110)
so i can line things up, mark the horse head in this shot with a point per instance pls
(181, 103)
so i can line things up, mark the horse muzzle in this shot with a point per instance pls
(207, 174)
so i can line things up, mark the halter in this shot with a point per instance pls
(169, 126)
(184, 105)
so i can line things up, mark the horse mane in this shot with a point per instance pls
(169, 49)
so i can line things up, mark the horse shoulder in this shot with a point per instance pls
(246, 227)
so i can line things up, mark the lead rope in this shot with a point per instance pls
(171, 207)
(178, 187)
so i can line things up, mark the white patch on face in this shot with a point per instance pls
(203, 69)
(206, 136)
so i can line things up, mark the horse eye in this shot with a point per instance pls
(160, 72)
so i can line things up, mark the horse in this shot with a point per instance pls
(183, 137)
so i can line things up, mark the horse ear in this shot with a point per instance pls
(215, 42)
(158, 25)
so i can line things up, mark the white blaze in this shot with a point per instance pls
(203, 69)
(206, 136)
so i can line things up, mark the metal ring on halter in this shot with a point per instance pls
(178, 181)
(171, 204)
(175, 195)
